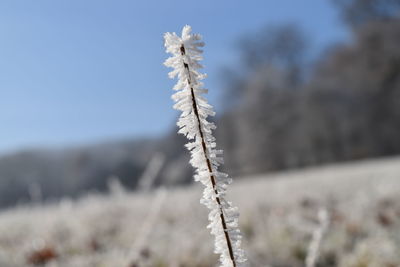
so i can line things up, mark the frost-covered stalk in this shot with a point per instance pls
(318, 234)
(205, 158)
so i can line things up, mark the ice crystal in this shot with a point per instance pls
(205, 157)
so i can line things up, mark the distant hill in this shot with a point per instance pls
(45, 174)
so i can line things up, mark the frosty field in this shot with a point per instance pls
(167, 227)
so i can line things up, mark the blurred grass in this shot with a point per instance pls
(278, 215)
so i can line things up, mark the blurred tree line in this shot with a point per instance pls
(285, 114)
(282, 111)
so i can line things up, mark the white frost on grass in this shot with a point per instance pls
(318, 234)
(362, 198)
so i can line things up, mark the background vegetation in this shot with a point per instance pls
(282, 109)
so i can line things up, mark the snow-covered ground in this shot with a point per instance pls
(167, 227)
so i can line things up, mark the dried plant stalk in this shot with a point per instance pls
(205, 158)
(315, 245)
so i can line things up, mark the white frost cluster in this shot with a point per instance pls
(205, 158)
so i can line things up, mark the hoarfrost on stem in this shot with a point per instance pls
(205, 157)
(318, 234)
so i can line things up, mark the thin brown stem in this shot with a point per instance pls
(209, 166)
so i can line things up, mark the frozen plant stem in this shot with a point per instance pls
(212, 178)
(315, 245)
(205, 158)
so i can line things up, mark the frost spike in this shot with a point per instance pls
(193, 124)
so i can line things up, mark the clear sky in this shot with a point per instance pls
(85, 71)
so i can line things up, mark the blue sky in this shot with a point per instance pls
(86, 71)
